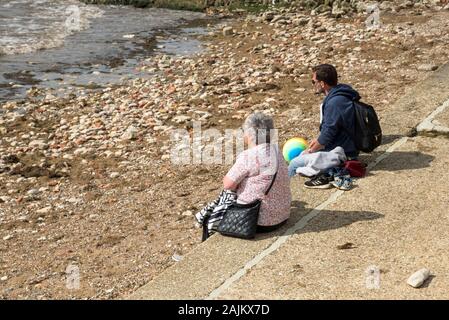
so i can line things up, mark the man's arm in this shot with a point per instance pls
(331, 123)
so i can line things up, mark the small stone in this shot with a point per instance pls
(181, 119)
(278, 18)
(227, 31)
(81, 151)
(301, 21)
(177, 257)
(114, 175)
(427, 67)
(8, 237)
(33, 192)
(50, 97)
(130, 133)
(417, 279)
(187, 213)
(4, 278)
(44, 210)
(268, 16)
(41, 144)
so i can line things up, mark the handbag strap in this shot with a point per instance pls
(274, 176)
(271, 184)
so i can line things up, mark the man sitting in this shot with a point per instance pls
(337, 121)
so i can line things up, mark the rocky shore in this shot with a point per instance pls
(87, 180)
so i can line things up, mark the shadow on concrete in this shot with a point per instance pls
(330, 220)
(389, 138)
(324, 221)
(400, 160)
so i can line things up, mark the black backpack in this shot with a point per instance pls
(368, 134)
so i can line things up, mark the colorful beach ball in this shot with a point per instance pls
(293, 148)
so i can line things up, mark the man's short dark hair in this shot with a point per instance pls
(326, 73)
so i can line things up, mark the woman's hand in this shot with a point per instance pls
(228, 184)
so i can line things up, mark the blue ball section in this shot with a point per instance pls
(293, 148)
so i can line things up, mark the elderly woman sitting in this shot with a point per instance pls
(251, 176)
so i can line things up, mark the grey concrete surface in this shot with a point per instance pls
(396, 220)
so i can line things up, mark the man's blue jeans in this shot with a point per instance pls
(295, 164)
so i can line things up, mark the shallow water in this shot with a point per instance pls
(42, 46)
(27, 26)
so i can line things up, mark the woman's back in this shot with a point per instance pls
(253, 171)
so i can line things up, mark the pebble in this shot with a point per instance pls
(181, 119)
(177, 257)
(114, 175)
(130, 133)
(228, 31)
(44, 210)
(417, 279)
(41, 144)
(427, 67)
(4, 278)
(33, 192)
(301, 21)
(8, 237)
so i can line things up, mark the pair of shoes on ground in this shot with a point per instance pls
(343, 182)
(325, 181)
